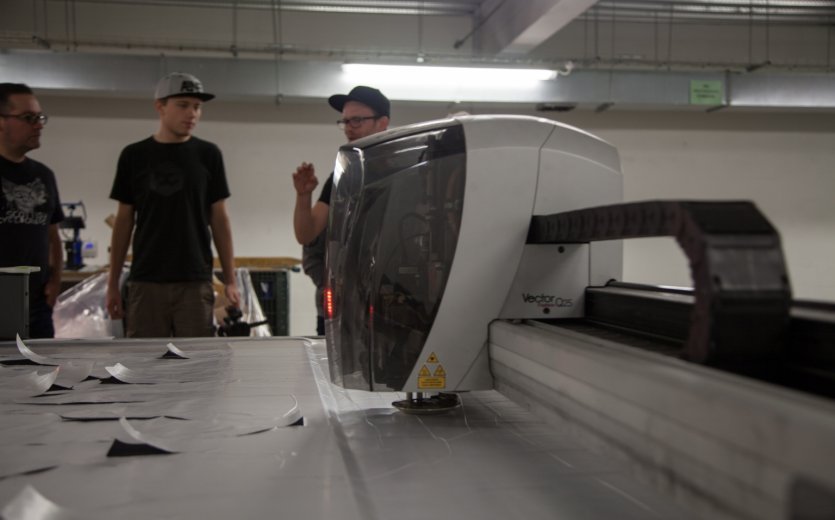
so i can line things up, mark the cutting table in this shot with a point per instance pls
(350, 454)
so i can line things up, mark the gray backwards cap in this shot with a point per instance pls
(370, 97)
(181, 84)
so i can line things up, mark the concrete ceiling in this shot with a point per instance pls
(618, 53)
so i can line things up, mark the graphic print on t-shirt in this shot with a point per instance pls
(167, 179)
(21, 201)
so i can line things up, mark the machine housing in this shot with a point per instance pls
(427, 245)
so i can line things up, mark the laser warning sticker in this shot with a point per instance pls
(437, 379)
(431, 383)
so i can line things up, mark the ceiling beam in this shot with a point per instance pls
(515, 27)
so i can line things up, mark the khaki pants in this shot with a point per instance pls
(162, 310)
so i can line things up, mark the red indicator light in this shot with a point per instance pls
(328, 297)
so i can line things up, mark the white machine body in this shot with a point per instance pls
(427, 245)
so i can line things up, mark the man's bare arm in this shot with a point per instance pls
(119, 243)
(56, 265)
(222, 235)
(308, 221)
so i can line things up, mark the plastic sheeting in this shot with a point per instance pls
(80, 311)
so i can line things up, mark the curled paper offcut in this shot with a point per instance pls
(73, 373)
(293, 416)
(31, 356)
(133, 442)
(31, 505)
(164, 435)
(30, 384)
(143, 374)
(174, 352)
(125, 375)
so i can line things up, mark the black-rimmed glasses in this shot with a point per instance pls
(29, 117)
(354, 122)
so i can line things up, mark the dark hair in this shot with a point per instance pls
(9, 89)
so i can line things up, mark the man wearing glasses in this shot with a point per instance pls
(365, 111)
(30, 208)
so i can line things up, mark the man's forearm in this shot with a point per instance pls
(222, 234)
(303, 220)
(225, 253)
(120, 241)
(56, 255)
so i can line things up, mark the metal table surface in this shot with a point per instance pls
(235, 455)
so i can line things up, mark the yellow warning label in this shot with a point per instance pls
(436, 381)
(431, 382)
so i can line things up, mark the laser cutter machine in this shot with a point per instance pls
(427, 245)
(438, 229)
(485, 252)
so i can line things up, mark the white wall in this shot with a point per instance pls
(781, 161)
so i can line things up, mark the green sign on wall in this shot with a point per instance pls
(706, 92)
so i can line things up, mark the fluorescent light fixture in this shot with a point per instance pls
(416, 75)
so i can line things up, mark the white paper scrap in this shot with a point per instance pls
(72, 373)
(167, 374)
(174, 351)
(31, 505)
(134, 436)
(30, 384)
(31, 356)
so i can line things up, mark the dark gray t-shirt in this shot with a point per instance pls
(29, 205)
(172, 187)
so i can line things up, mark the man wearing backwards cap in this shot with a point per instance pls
(365, 111)
(171, 187)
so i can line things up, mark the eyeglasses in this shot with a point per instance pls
(354, 122)
(29, 117)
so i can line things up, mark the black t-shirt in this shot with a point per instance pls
(313, 254)
(313, 263)
(30, 204)
(325, 196)
(172, 187)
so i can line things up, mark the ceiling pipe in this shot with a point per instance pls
(253, 80)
